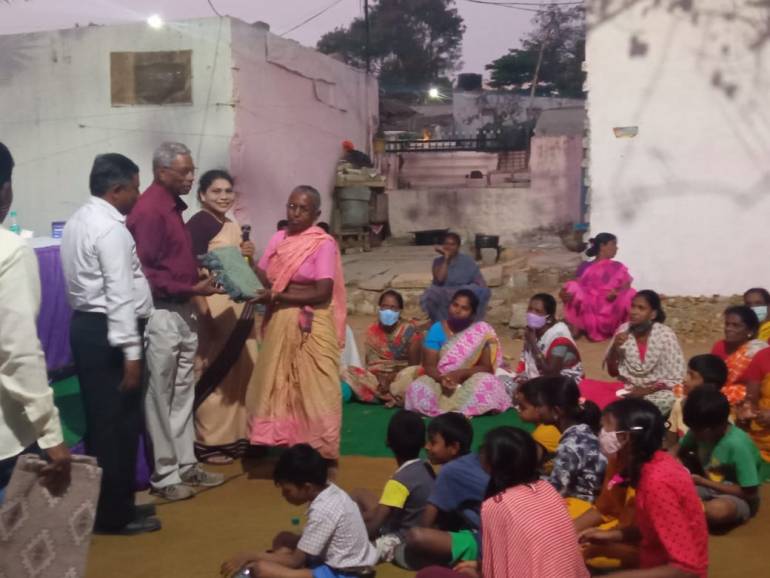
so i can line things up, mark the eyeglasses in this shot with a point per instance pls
(300, 208)
(191, 171)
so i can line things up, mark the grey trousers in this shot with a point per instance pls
(171, 340)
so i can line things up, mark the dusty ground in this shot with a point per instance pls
(247, 511)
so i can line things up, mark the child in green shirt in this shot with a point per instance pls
(722, 458)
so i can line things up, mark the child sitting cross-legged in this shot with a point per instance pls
(451, 520)
(333, 543)
(578, 464)
(405, 495)
(722, 458)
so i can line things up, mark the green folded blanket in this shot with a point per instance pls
(232, 272)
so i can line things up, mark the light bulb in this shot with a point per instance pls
(155, 21)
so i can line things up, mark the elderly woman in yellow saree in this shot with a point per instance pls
(227, 351)
(299, 399)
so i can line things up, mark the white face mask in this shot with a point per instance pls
(761, 311)
(609, 442)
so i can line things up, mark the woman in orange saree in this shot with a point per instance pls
(737, 349)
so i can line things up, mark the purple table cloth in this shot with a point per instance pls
(53, 323)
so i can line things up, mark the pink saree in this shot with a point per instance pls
(299, 399)
(589, 310)
(479, 394)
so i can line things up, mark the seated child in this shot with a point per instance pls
(578, 465)
(450, 523)
(722, 458)
(701, 369)
(613, 508)
(333, 543)
(527, 532)
(546, 436)
(405, 496)
(669, 527)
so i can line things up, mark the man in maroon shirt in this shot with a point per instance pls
(165, 251)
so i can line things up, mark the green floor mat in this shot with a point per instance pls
(73, 419)
(363, 426)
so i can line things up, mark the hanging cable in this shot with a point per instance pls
(214, 8)
(311, 18)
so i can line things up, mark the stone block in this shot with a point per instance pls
(377, 283)
(550, 278)
(412, 281)
(518, 317)
(519, 279)
(372, 297)
(366, 308)
(488, 257)
(493, 275)
(355, 296)
(496, 303)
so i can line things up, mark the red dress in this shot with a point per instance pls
(670, 516)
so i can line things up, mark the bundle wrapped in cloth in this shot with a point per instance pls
(43, 535)
(232, 272)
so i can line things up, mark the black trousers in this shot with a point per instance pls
(114, 419)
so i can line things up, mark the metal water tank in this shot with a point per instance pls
(469, 82)
(354, 206)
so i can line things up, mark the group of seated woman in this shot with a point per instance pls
(457, 365)
(451, 368)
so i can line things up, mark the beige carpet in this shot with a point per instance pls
(248, 511)
(245, 513)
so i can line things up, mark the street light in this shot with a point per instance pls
(433, 93)
(155, 21)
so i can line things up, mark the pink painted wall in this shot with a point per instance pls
(555, 171)
(293, 108)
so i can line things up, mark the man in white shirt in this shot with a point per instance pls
(111, 300)
(28, 416)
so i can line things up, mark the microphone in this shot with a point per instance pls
(245, 235)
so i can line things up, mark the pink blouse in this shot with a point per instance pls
(320, 265)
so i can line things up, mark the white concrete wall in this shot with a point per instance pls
(555, 172)
(294, 107)
(57, 113)
(504, 211)
(687, 197)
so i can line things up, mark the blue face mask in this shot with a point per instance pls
(388, 317)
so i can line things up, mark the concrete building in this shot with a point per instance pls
(477, 109)
(678, 98)
(556, 161)
(516, 192)
(272, 111)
